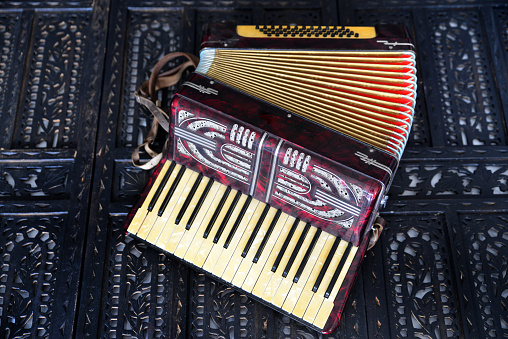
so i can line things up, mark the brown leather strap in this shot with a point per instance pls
(146, 95)
(377, 228)
(165, 59)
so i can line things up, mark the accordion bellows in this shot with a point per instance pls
(368, 95)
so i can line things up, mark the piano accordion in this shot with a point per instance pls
(281, 148)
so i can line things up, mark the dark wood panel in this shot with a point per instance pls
(69, 118)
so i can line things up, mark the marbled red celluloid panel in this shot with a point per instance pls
(301, 183)
(331, 144)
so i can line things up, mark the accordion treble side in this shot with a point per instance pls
(281, 149)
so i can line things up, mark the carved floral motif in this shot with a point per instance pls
(442, 179)
(468, 102)
(220, 310)
(143, 290)
(485, 263)
(150, 37)
(53, 87)
(420, 291)
(29, 257)
(35, 181)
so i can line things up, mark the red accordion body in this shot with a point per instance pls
(323, 181)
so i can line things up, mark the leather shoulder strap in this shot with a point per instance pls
(146, 96)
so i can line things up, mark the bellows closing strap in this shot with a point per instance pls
(146, 95)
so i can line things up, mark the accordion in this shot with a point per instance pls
(282, 145)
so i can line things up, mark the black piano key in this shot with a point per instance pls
(198, 205)
(217, 212)
(171, 191)
(267, 236)
(285, 245)
(226, 217)
(326, 264)
(237, 222)
(188, 199)
(337, 272)
(255, 231)
(296, 250)
(307, 255)
(161, 186)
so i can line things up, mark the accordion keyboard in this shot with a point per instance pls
(278, 258)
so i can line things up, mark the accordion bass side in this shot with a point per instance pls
(281, 148)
